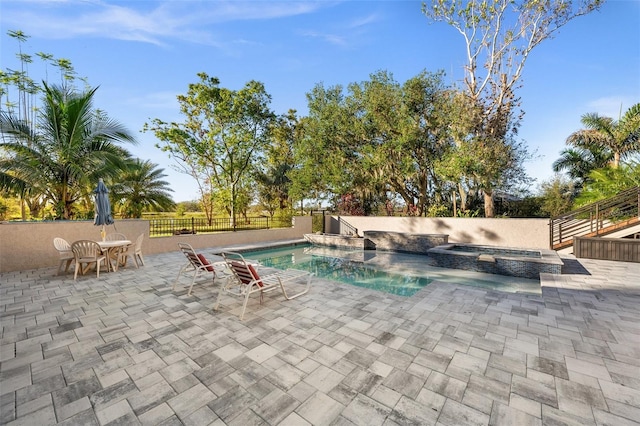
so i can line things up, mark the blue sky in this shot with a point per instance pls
(144, 53)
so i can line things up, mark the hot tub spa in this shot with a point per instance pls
(516, 262)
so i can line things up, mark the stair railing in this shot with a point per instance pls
(595, 219)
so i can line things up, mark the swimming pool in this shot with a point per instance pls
(396, 273)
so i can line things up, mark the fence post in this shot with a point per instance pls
(193, 225)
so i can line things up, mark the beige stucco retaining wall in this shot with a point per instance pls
(29, 245)
(505, 232)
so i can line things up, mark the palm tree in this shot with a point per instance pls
(72, 146)
(622, 137)
(140, 188)
(581, 160)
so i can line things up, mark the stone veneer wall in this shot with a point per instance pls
(339, 241)
(405, 242)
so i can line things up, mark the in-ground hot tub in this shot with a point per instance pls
(516, 262)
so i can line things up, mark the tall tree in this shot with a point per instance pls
(621, 137)
(140, 187)
(581, 159)
(224, 133)
(499, 35)
(72, 146)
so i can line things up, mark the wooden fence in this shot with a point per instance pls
(620, 249)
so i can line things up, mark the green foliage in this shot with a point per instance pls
(499, 36)
(71, 148)
(138, 188)
(224, 133)
(604, 134)
(609, 181)
(557, 195)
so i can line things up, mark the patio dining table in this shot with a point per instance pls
(108, 247)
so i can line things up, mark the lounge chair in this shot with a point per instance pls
(248, 281)
(197, 263)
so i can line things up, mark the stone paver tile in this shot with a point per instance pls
(477, 401)
(607, 419)
(320, 409)
(34, 405)
(506, 415)
(576, 398)
(276, 406)
(261, 353)
(327, 356)
(76, 391)
(455, 413)
(179, 369)
(526, 405)
(232, 403)
(294, 419)
(7, 407)
(548, 366)
(623, 410)
(112, 394)
(202, 416)
(156, 415)
(191, 400)
(407, 411)
(493, 389)
(42, 417)
(363, 381)
(324, 379)
(446, 386)
(114, 412)
(433, 361)
(534, 390)
(553, 416)
(73, 408)
(469, 363)
(364, 411)
(230, 351)
(151, 397)
(14, 379)
(386, 396)
(286, 377)
(404, 383)
(587, 368)
(620, 393)
(84, 418)
(508, 364)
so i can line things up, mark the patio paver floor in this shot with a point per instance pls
(126, 349)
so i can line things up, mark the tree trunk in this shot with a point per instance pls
(489, 208)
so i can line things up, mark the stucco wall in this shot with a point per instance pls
(505, 232)
(29, 245)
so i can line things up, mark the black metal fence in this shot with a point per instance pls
(164, 227)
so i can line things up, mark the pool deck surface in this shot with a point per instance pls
(125, 349)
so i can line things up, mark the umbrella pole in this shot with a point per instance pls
(103, 233)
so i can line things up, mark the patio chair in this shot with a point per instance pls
(64, 250)
(87, 252)
(134, 251)
(195, 262)
(248, 281)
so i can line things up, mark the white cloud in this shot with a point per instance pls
(611, 106)
(148, 22)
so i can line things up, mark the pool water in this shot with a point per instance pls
(395, 273)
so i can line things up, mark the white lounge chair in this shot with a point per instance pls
(248, 281)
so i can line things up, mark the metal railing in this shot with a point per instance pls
(165, 227)
(345, 228)
(596, 219)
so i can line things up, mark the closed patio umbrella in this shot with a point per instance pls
(103, 207)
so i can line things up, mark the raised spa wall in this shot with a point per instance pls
(382, 240)
(497, 260)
